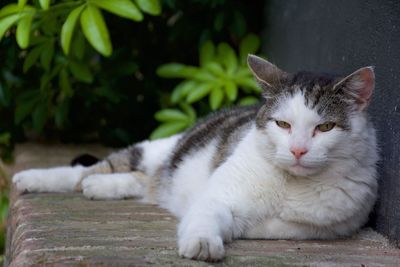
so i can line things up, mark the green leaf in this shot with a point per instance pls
(68, 27)
(122, 8)
(198, 93)
(189, 110)
(32, 57)
(45, 4)
(81, 71)
(219, 21)
(168, 129)
(238, 25)
(243, 72)
(5, 139)
(151, 7)
(24, 109)
(249, 45)
(47, 54)
(216, 69)
(9, 10)
(61, 113)
(5, 95)
(79, 45)
(204, 76)
(95, 30)
(22, 3)
(227, 57)
(207, 53)
(216, 97)
(248, 100)
(7, 22)
(170, 115)
(49, 75)
(65, 85)
(176, 70)
(231, 90)
(24, 30)
(248, 82)
(181, 90)
(39, 116)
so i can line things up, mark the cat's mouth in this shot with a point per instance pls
(302, 170)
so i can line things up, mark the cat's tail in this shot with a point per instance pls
(85, 160)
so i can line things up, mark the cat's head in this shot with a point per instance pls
(310, 119)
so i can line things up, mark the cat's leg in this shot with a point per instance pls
(59, 179)
(146, 157)
(113, 186)
(203, 231)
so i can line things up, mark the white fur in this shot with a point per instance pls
(257, 193)
(111, 186)
(60, 179)
(156, 152)
(189, 180)
(260, 191)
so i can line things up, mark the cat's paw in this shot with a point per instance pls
(29, 180)
(111, 186)
(202, 248)
(60, 179)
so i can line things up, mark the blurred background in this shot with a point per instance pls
(117, 72)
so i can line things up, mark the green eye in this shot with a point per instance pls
(325, 127)
(283, 124)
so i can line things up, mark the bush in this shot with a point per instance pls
(55, 89)
(78, 71)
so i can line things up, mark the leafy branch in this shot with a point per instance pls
(220, 76)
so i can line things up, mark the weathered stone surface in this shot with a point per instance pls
(69, 230)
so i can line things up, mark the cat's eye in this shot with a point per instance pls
(325, 127)
(283, 124)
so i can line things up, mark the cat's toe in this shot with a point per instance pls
(98, 186)
(202, 248)
(27, 181)
(93, 187)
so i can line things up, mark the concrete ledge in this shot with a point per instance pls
(69, 230)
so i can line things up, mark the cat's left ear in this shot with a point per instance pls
(359, 86)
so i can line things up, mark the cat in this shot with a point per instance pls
(300, 165)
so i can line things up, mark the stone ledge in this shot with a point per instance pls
(69, 230)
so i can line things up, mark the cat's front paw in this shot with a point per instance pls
(202, 248)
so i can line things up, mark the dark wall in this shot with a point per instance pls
(341, 36)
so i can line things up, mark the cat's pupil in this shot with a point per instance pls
(283, 124)
(325, 127)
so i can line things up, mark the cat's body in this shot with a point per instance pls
(299, 166)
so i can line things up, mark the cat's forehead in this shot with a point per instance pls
(318, 94)
(293, 109)
(311, 85)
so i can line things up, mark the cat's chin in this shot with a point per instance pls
(300, 170)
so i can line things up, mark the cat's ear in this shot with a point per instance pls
(359, 86)
(266, 73)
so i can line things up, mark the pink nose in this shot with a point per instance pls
(298, 152)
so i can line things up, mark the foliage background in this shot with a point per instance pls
(115, 100)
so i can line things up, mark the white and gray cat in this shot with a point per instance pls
(301, 165)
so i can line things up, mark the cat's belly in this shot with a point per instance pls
(275, 228)
(189, 180)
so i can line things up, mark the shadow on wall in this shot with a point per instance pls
(341, 36)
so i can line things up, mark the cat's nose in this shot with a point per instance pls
(298, 152)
